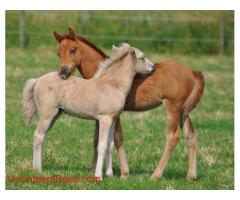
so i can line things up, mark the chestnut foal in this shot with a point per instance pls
(174, 84)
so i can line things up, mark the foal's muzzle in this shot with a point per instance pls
(64, 72)
(153, 67)
(150, 69)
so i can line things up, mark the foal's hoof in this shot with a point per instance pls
(98, 178)
(154, 177)
(191, 177)
(109, 174)
(124, 175)
(39, 169)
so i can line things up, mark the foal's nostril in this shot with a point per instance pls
(152, 68)
(64, 72)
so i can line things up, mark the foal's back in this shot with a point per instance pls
(170, 80)
(78, 97)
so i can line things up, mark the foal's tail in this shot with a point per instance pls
(28, 100)
(194, 97)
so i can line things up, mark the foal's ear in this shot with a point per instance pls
(57, 36)
(133, 53)
(71, 33)
(114, 48)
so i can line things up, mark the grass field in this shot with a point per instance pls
(68, 148)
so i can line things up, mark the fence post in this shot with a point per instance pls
(222, 37)
(22, 29)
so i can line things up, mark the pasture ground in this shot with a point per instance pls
(68, 148)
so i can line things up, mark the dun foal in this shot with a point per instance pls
(101, 98)
(174, 84)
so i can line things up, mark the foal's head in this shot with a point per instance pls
(68, 52)
(141, 64)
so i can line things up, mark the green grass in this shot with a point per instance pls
(68, 149)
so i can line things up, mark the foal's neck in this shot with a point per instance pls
(90, 60)
(120, 75)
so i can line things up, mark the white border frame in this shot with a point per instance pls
(120, 5)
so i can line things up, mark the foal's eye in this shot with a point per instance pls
(72, 50)
(142, 59)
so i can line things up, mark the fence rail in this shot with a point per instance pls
(86, 16)
(203, 40)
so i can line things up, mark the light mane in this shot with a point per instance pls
(117, 53)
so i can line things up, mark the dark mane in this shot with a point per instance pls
(85, 41)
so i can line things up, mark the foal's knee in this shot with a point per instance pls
(38, 138)
(190, 133)
(191, 139)
(102, 147)
(173, 139)
(117, 142)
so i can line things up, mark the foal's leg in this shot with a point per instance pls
(46, 121)
(191, 140)
(173, 137)
(105, 123)
(110, 145)
(95, 145)
(118, 142)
